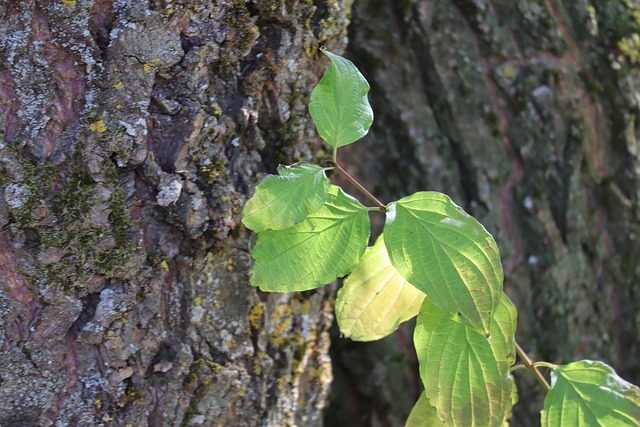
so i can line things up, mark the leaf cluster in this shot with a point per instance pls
(433, 261)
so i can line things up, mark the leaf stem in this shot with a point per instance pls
(545, 365)
(531, 366)
(359, 186)
(517, 367)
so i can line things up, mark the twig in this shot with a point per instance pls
(529, 364)
(359, 186)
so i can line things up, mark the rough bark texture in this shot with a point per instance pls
(131, 133)
(526, 113)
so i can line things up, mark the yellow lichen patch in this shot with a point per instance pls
(255, 316)
(230, 343)
(281, 383)
(630, 48)
(217, 111)
(306, 307)
(164, 266)
(118, 85)
(98, 126)
(278, 332)
(257, 367)
(197, 301)
(509, 71)
(68, 3)
(148, 66)
(107, 418)
(119, 106)
(241, 392)
(230, 264)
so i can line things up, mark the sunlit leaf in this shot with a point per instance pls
(375, 298)
(465, 375)
(326, 245)
(283, 200)
(447, 254)
(590, 394)
(339, 105)
(514, 400)
(424, 415)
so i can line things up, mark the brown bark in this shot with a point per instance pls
(526, 113)
(130, 136)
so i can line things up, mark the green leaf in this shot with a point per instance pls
(423, 414)
(588, 393)
(514, 400)
(326, 245)
(447, 254)
(339, 105)
(465, 375)
(283, 200)
(375, 298)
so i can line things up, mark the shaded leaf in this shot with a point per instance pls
(339, 105)
(375, 298)
(590, 393)
(447, 254)
(465, 375)
(326, 245)
(283, 200)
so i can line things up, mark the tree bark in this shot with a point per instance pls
(131, 134)
(526, 113)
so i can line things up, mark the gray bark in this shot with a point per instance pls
(526, 113)
(131, 133)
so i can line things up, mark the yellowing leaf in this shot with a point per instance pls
(375, 298)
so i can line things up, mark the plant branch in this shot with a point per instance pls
(529, 364)
(359, 186)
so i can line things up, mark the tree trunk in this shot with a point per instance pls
(526, 113)
(131, 135)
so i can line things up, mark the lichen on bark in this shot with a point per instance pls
(131, 135)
